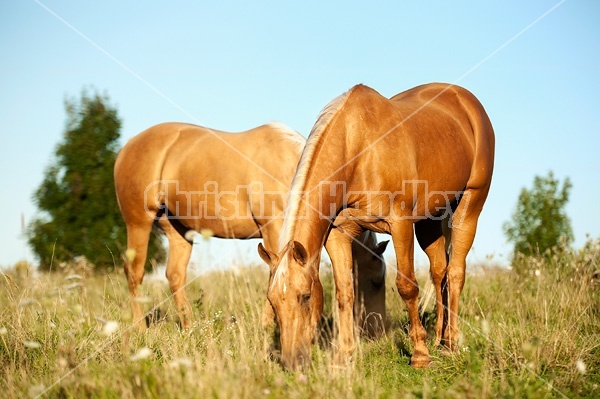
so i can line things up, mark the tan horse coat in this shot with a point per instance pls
(190, 178)
(399, 166)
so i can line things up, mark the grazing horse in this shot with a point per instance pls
(404, 166)
(369, 285)
(188, 178)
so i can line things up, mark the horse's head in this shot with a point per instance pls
(296, 295)
(369, 274)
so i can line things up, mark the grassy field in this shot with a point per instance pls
(66, 335)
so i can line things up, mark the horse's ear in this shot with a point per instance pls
(299, 253)
(268, 256)
(380, 249)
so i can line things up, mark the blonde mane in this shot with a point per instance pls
(298, 184)
(289, 134)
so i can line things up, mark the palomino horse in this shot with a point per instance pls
(400, 166)
(189, 178)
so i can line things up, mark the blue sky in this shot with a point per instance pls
(235, 65)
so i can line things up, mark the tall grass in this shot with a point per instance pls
(534, 334)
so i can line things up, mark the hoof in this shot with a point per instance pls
(420, 361)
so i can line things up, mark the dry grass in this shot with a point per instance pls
(534, 335)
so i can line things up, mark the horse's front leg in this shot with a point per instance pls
(270, 232)
(403, 239)
(339, 248)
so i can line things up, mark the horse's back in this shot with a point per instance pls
(171, 148)
(190, 158)
(437, 137)
(262, 154)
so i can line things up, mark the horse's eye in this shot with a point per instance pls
(304, 298)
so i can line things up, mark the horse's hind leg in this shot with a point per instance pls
(431, 239)
(137, 248)
(464, 224)
(180, 250)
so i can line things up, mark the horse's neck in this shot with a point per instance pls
(327, 172)
(311, 233)
(321, 199)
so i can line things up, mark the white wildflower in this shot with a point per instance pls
(530, 365)
(485, 327)
(537, 272)
(110, 327)
(206, 233)
(189, 235)
(3, 331)
(580, 366)
(32, 344)
(141, 354)
(181, 363)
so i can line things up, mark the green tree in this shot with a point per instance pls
(540, 222)
(80, 215)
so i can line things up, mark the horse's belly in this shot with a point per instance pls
(225, 213)
(234, 228)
